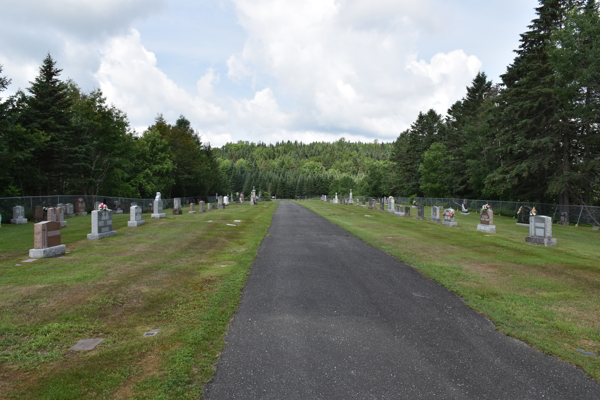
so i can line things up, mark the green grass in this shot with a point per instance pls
(547, 297)
(182, 275)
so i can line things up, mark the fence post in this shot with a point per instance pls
(554, 215)
(581, 212)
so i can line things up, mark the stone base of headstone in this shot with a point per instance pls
(486, 228)
(400, 214)
(421, 218)
(134, 224)
(596, 228)
(119, 212)
(448, 223)
(69, 215)
(519, 224)
(158, 216)
(48, 252)
(464, 213)
(81, 213)
(538, 241)
(436, 221)
(94, 236)
(64, 224)
(406, 215)
(563, 223)
(18, 221)
(191, 212)
(177, 212)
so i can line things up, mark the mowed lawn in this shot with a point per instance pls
(547, 297)
(182, 274)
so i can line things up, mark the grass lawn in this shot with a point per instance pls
(182, 275)
(547, 297)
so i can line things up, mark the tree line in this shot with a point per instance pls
(531, 137)
(56, 139)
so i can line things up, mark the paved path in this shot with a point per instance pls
(326, 316)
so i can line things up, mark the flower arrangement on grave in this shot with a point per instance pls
(415, 203)
(533, 212)
(449, 213)
(486, 207)
(79, 200)
(103, 207)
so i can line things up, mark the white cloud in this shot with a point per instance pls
(350, 66)
(130, 79)
(205, 85)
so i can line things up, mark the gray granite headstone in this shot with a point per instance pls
(135, 217)
(540, 231)
(101, 225)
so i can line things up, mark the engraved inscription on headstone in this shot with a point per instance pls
(18, 216)
(540, 231)
(101, 225)
(46, 240)
(157, 211)
(135, 217)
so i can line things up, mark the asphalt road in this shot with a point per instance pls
(326, 316)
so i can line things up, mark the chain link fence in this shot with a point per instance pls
(578, 214)
(114, 203)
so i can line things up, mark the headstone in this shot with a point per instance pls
(241, 197)
(335, 200)
(486, 221)
(57, 214)
(201, 207)
(209, 207)
(220, 204)
(46, 240)
(421, 212)
(596, 228)
(407, 211)
(80, 207)
(449, 217)
(564, 219)
(350, 197)
(399, 211)
(150, 208)
(540, 231)
(381, 204)
(135, 217)
(69, 212)
(463, 208)
(157, 211)
(101, 225)
(226, 200)
(435, 214)
(191, 209)
(38, 213)
(177, 206)
(391, 204)
(523, 215)
(253, 197)
(18, 216)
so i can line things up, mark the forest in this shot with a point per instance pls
(531, 137)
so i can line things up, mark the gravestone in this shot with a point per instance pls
(449, 217)
(407, 212)
(241, 197)
(157, 211)
(191, 209)
(177, 206)
(596, 228)
(18, 216)
(486, 221)
(69, 212)
(335, 200)
(435, 214)
(150, 208)
(564, 219)
(46, 240)
(540, 231)
(220, 204)
(226, 200)
(57, 214)
(80, 207)
(135, 217)
(463, 209)
(253, 197)
(399, 211)
(523, 215)
(38, 213)
(350, 197)
(201, 207)
(421, 211)
(391, 204)
(208, 206)
(381, 204)
(101, 225)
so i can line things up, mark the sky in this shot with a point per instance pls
(267, 70)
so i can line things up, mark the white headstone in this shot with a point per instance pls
(135, 217)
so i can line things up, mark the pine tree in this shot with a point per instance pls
(48, 111)
(535, 142)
